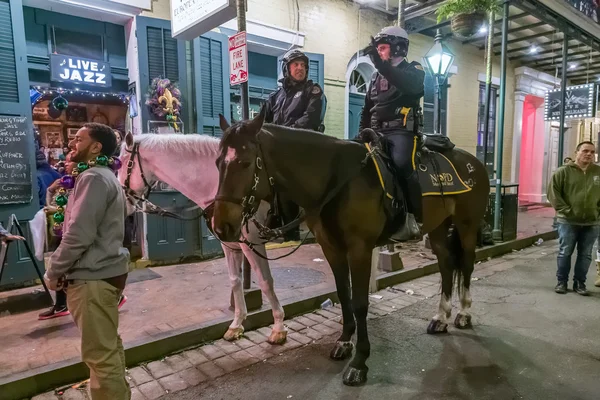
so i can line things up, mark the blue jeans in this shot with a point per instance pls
(568, 237)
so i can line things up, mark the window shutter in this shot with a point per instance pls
(8, 67)
(316, 70)
(160, 55)
(211, 69)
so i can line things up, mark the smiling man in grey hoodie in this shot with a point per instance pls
(93, 263)
(574, 192)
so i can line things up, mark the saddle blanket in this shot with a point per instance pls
(437, 175)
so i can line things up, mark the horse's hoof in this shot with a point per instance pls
(277, 337)
(437, 326)
(233, 334)
(463, 321)
(341, 351)
(355, 377)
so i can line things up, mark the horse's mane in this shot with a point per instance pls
(202, 145)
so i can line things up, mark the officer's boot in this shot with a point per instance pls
(411, 229)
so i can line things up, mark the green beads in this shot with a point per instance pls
(102, 160)
(61, 200)
(59, 217)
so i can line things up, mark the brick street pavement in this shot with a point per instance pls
(203, 364)
(183, 296)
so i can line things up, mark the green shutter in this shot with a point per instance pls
(162, 54)
(316, 68)
(212, 77)
(8, 67)
(212, 81)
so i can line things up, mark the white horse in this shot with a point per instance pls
(188, 164)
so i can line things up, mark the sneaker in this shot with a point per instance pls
(122, 301)
(561, 288)
(54, 312)
(579, 288)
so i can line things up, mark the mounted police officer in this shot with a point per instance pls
(298, 103)
(391, 106)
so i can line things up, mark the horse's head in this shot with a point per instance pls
(135, 181)
(243, 182)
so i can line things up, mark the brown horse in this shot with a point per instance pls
(344, 204)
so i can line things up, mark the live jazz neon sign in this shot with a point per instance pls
(80, 71)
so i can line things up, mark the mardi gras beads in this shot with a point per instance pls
(67, 182)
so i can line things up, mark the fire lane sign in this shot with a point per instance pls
(238, 59)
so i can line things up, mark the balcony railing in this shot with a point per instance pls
(588, 7)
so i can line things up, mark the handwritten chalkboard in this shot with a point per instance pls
(15, 171)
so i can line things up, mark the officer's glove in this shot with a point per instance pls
(371, 51)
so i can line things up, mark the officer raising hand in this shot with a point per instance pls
(393, 97)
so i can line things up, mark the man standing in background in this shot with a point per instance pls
(574, 192)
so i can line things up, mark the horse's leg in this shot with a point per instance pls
(233, 256)
(338, 262)
(440, 246)
(260, 266)
(468, 238)
(359, 258)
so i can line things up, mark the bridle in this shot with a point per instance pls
(141, 203)
(132, 195)
(250, 203)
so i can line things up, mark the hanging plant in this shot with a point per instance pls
(466, 16)
(164, 100)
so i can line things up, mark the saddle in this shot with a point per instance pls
(437, 175)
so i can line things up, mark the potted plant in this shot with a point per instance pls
(466, 16)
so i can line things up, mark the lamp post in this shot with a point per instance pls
(439, 59)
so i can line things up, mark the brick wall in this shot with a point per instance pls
(332, 28)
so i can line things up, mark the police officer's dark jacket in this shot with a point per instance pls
(297, 105)
(392, 89)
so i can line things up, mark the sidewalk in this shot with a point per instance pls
(166, 299)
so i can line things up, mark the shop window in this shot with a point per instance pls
(428, 104)
(78, 44)
(8, 66)
(491, 139)
(162, 54)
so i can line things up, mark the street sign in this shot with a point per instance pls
(579, 103)
(192, 18)
(238, 59)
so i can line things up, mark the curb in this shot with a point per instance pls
(39, 380)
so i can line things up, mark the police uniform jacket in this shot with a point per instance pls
(296, 105)
(392, 93)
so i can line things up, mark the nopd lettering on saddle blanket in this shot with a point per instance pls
(444, 179)
(438, 176)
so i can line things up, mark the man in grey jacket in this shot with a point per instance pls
(92, 262)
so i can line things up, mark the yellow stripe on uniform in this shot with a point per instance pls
(414, 152)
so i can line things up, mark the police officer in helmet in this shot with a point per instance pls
(296, 104)
(299, 101)
(390, 107)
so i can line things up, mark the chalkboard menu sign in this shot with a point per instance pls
(15, 171)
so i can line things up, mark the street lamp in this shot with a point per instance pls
(439, 59)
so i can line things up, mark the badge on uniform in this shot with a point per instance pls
(383, 84)
(298, 94)
(316, 90)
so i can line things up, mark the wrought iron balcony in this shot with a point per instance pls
(587, 7)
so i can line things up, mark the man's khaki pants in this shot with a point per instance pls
(94, 307)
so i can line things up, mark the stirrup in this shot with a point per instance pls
(409, 231)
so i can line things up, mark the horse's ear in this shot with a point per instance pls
(223, 123)
(256, 124)
(129, 140)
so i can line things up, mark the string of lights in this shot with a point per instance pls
(38, 93)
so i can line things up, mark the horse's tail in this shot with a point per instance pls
(456, 262)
